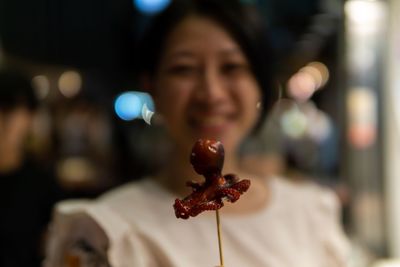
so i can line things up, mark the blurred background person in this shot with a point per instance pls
(28, 189)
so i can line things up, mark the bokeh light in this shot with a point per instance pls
(294, 123)
(363, 11)
(132, 105)
(70, 83)
(301, 86)
(41, 84)
(128, 106)
(321, 127)
(315, 73)
(362, 117)
(320, 70)
(151, 6)
(365, 16)
(145, 98)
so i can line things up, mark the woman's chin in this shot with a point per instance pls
(216, 132)
(226, 137)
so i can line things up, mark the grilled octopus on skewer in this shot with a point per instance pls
(207, 159)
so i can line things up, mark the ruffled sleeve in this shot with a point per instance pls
(88, 233)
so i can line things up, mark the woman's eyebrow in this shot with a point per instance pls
(179, 54)
(186, 54)
(230, 52)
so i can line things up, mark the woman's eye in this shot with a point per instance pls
(182, 69)
(233, 67)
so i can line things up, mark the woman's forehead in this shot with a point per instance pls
(196, 31)
(188, 53)
(200, 36)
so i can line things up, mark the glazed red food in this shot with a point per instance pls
(207, 159)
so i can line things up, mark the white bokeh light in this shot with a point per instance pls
(70, 83)
(41, 84)
(365, 16)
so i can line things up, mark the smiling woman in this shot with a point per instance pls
(205, 63)
(218, 92)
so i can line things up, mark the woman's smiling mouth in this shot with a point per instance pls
(212, 125)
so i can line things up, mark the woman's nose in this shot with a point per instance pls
(211, 87)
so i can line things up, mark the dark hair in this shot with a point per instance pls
(16, 90)
(242, 22)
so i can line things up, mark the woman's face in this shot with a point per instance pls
(204, 86)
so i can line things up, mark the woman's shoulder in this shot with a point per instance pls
(138, 197)
(130, 203)
(308, 188)
(319, 207)
(129, 192)
(307, 195)
(126, 192)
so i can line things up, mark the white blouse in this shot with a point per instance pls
(135, 226)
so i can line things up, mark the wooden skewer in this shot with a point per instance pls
(221, 257)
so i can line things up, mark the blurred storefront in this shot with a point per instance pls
(391, 137)
(365, 31)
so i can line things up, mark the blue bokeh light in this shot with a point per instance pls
(151, 6)
(128, 106)
(145, 98)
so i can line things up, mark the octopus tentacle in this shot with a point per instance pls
(241, 186)
(212, 205)
(207, 158)
(230, 194)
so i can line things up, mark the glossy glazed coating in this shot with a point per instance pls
(207, 158)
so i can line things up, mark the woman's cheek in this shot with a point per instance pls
(172, 105)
